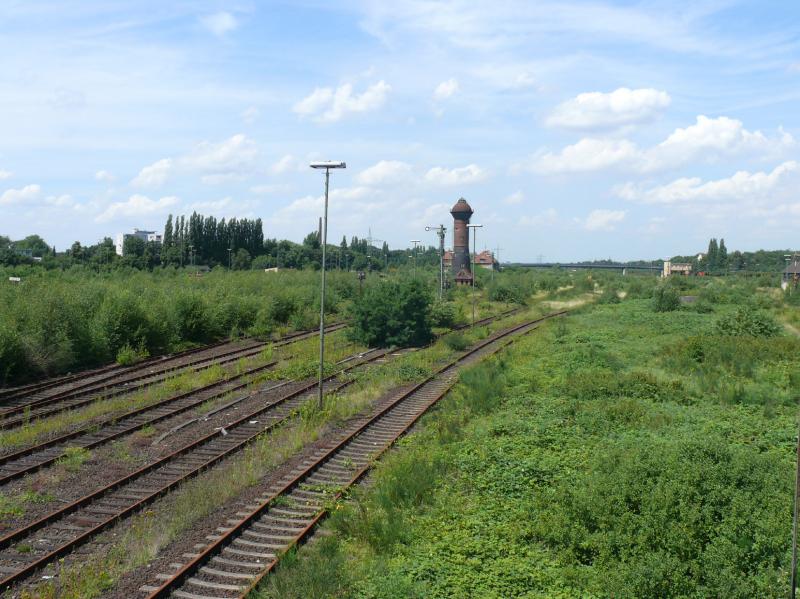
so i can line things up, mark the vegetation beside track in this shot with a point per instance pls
(623, 452)
(55, 322)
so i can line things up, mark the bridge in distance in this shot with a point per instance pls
(583, 265)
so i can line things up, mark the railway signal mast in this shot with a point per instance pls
(440, 231)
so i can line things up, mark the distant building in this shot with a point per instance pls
(791, 274)
(676, 268)
(485, 260)
(143, 235)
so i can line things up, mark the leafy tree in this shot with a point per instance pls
(241, 259)
(711, 256)
(722, 256)
(35, 243)
(393, 313)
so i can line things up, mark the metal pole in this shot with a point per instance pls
(794, 518)
(474, 241)
(322, 293)
(441, 262)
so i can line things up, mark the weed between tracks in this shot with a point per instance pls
(174, 385)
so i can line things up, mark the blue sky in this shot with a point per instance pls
(575, 129)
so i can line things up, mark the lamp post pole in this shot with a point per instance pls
(230, 258)
(415, 242)
(474, 242)
(327, 166)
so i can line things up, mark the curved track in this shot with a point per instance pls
(249, 547)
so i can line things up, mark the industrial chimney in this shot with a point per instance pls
(461, 266)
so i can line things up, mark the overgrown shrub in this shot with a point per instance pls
(666, 299)
(444, 314)
(609, 295)
(747, 321)
(673, 518)
(505, 291)
(393, 313)
(456, 341)
(12, 354)
(128, 355)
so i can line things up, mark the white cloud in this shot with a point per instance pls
(547, 217)
(328, 105)
(713, 137)
(4, 174)
(233, 158)
(218, 162)
(250, 114)
(446, 89)
(603, 220)
(26, 194)
(104, 176)
(597, 110)
(284, 164)
(62, 200)
(743, 187)
(471, 173)
(385, 171)
(707, 140)
(154, 175)
(514, 198)
(219, 23)
(269, 188)
(136, 206)
(588, 154)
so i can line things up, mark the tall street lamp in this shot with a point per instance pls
(415, 242)
(327, 166)
(474, 251)
(230, 258)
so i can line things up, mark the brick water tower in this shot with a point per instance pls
(462, 273)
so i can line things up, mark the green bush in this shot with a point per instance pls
(506, 291)
(444, 315)
(673, 518)
(609, 296)
(456, 341)
(393, 313)
(747, 321)
(12, 354)
(128, 355)
(191, 320)
(666, 299)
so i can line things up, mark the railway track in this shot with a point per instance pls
(88, 393)
(23, 391)
(249, 546)
(30, 459)
(63, 530)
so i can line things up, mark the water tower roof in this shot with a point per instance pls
(461, 207)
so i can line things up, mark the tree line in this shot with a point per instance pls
(204, 241)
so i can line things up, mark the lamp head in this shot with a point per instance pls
(326, 164)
